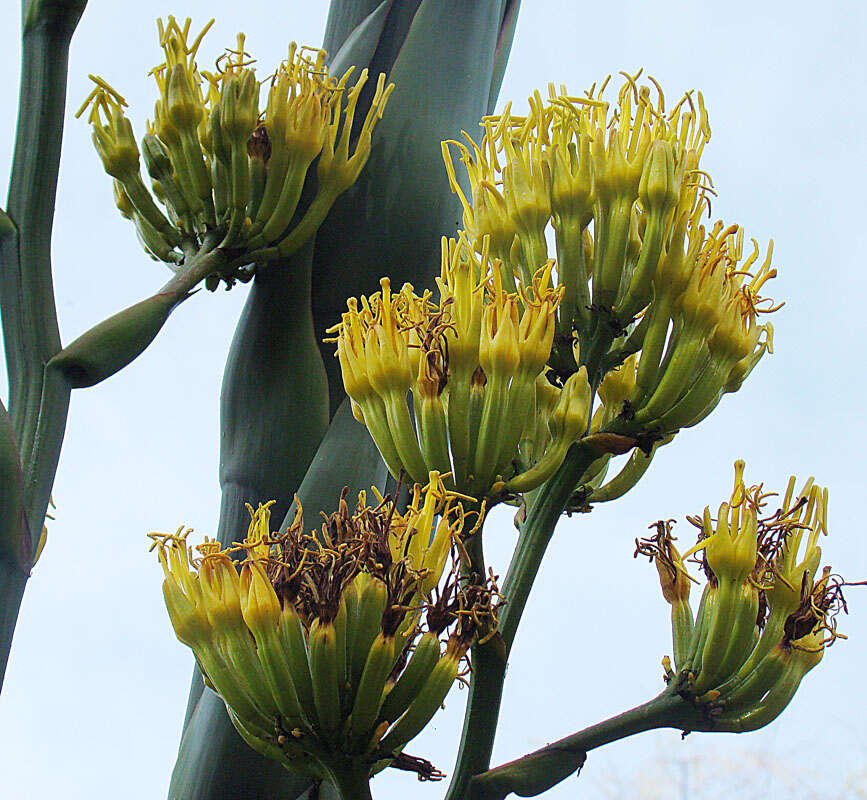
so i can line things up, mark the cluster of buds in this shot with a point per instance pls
(473, 363)
(227, 174)
(638, 269)
(765, 616)
(327, 647)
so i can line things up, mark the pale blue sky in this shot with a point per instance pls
(97, 683)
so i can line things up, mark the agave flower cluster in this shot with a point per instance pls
(226, 173)
(637, 328)
(327, 647)
(623, 191)
(471, 362)
(765, 616)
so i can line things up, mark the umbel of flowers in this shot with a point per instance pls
(637, 328)
(333, 648)
(225, 173)
(766, 613)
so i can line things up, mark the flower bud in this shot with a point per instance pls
(659, 188)
(183, 101)
(498, 349)
(239, 104)
(116, 145)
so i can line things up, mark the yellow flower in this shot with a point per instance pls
(223, 177)
(764, 619)
(317, 646)
(470, 361)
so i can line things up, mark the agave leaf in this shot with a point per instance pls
(391, 220)
(215, 763)
(360, 45)
(274, 400)
(504, 47)
(344, 17)
(347, 457)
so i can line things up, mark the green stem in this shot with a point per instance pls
(667, 710)
(38, 406)
(538, 771)
(536, 532)
(12, 583)
(351, 783)
(490, 660)
(483, 702)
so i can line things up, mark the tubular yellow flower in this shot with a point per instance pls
(309, 646)
(715, 338)
(730, 544)
(486, 217)
(224, 178)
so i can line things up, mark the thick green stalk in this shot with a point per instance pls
(490, 660)
(30, 331)
(38, 407)
(536, 532)
(12, 582)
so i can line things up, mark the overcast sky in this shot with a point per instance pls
(97, 683)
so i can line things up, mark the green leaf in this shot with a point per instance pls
(344, 17)
(390, 222)
(528, 776)
(274, 401)
(504, 47)
(347, 457)
(361, 44)
(215, 763)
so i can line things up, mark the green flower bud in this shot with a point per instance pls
(183, 99)
(239, 102)
(156, 158)
(659, 188)
(116, 145)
